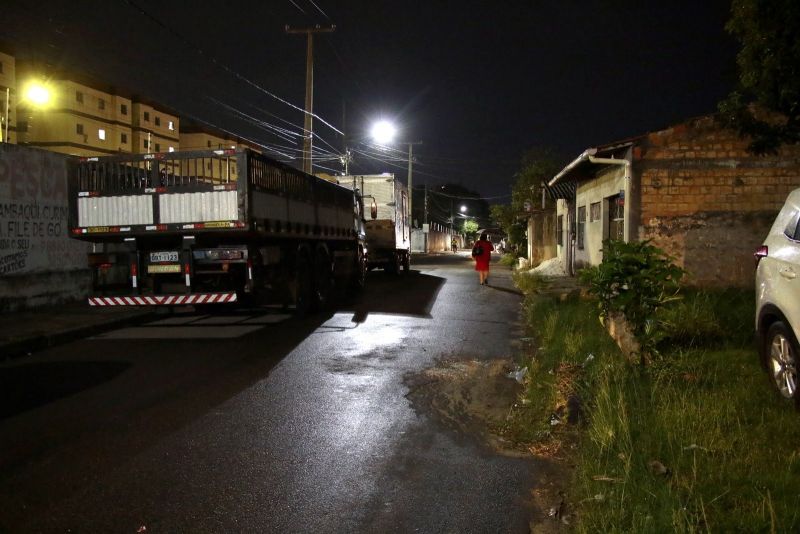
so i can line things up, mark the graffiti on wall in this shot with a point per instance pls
(33, 213)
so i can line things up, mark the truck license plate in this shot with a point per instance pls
(164, 257)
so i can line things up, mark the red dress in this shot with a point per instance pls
(482, 261)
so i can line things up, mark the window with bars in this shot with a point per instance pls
(560, 231)
(581, 227)
(101, 104)
(78, 97)
(616, 217)
(594, 212)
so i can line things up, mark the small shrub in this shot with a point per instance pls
(635, 279)
(509, 260)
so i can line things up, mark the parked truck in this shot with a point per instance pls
(388, 231)
(214, 227)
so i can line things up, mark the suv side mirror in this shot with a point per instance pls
(373, 210)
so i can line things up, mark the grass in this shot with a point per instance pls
(697, 441)
(509, 260)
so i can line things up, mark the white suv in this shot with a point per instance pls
(778, 299)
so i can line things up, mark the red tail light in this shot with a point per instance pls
(187, 269)
(761, 252)
(134, 270)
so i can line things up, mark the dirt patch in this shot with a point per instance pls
(476, 398)
(473, 397)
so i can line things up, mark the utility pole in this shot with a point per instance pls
(425, 216)
(308, 125)
(410, 186)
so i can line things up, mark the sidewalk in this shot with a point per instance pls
(27, 331)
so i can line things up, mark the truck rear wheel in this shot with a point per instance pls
(323, 274)
(303, 285)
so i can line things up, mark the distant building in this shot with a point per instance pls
(693, 189)
(84, 117)
(194, 136)
(8, 97)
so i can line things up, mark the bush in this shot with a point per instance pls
(635, 279)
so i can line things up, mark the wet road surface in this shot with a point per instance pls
(261, 422)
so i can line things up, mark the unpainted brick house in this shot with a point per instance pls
(694, 189)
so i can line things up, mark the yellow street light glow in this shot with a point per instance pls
(38, 94)
(383, 132)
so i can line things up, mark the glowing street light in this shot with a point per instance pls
(37, 94)
(383, 132)
(463, 209)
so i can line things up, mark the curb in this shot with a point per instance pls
(26, 347)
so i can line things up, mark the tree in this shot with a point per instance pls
(470, 228)
(538, 165)
(769, 73)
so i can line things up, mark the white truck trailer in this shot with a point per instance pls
(388, 235)
(214, 227)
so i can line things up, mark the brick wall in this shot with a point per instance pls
(709, 202)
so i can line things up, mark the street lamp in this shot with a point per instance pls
(35, 93)
(463, 209)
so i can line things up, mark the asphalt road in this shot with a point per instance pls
(255, 421)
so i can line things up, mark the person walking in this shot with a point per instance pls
(482, 254)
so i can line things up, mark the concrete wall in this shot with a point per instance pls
(542, 237)
(39, 263)
(438, 240)
(707, 201)
(608, 183)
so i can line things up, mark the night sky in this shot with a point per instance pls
(476, 82)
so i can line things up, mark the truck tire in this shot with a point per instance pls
(323, 278)
(303, 285)
(359, 276)
(406, 262)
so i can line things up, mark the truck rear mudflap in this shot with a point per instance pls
(164, 300)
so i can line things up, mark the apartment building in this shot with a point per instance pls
(196, 137)
(8, 98)
(154, 129)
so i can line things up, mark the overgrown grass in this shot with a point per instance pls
(509, 260)
(697, 441)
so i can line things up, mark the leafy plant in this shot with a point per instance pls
(634, 279)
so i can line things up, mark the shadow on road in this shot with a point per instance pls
(29, 386)
(410, 294)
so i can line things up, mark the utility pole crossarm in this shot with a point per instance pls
(308, 125)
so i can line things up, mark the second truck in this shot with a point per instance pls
(388, 233)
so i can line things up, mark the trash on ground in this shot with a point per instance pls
(518, 374)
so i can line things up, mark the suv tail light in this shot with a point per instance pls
(761, 252)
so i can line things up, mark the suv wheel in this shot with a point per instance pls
(781, 358)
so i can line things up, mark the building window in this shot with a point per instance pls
(123, 138)
(581, 226)
(594, 212)
(209, 143)
(79, 129)
(22, 127)
(1, 67)
(171, 125)
(158, 120)
(616, 217)
(145, 143)
(158, 147)
(146, 116)
(79, 97)
(101, 134)
(560, 231)
(123, 108)
(101, 104)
